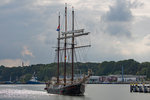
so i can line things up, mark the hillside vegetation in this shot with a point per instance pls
(44, 72)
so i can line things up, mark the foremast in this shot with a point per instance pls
(58, 49)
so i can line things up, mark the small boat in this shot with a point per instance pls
(33, 80)
(8, 82)
(73, 85)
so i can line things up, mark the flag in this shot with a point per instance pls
(65, 57)
(58, 28)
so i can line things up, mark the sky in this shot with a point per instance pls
(119, 29)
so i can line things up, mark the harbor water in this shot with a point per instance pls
(93, 92)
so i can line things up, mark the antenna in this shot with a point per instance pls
(22, 64)
(122, 74)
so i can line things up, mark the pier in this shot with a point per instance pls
(141, 88)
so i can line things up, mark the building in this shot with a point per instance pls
(131, 78)
(102, 79)
(94, 79)
(116, 79)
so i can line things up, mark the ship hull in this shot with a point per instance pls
(74, 90)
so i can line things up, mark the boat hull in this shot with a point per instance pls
(32, 82)
(75, 89)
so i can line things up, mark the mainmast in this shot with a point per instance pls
(58, 49)
(72, 45)
(65, 45)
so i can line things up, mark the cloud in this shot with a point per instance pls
(117, 20)
(136, 4)
(26, 52)
(137, 49)
(43, 2)
(4, 2)
(32, 24)
(21, 23)
(13, 62)
(120, 11)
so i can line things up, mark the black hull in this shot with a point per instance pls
(73, 90)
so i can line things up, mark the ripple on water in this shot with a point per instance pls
(24, 93)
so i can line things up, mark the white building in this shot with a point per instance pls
(130, 78)
(94, 79)
(115, 79)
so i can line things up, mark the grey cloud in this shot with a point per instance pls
(118, 29)
(120, 11)
(136, 4)
(21, 23)
(117, 20)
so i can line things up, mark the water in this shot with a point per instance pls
(93, 92)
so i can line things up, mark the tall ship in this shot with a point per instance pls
(68, 85)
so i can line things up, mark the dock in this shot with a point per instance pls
(140, 88)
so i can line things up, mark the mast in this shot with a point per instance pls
(72, 45)
(65, 44)
(58, 49)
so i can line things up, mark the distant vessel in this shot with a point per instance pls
(8, 82)
(68, 85)
(33, 80)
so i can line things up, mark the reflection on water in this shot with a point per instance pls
(93, 92)
(15, 93)
(60, 97)
(21, 92)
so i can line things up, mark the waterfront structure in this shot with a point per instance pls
(116, 79)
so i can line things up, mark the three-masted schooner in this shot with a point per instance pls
(67, 86)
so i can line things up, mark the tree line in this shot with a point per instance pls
(44, 72)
